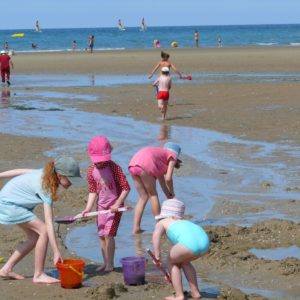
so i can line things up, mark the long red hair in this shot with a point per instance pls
(50, 181)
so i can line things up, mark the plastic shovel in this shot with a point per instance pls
(159, 266)
(71, 219)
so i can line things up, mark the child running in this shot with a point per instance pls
(109, 188)
(189, 242)
(163, 84)
(165, 63)
(19, 197)
(145, 167)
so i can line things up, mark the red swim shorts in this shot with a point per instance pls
(163, 95)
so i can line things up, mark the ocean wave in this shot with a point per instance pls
(267, 44)
(295, 44)
(65, 50)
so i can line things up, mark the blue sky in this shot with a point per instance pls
(20, 14)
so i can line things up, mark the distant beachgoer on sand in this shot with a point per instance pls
(164, 62)
(5, 46)
(19, 196)
(146, 166)
(196, 39)
(164, 84)
(189, 242)
(74, 45)
(219, 41)
(108, 188)
(156, 44)
(91, 43)
(5, 64)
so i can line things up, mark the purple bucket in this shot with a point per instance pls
(133, 270)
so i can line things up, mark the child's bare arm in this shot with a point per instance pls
(15, 172)
(176, 70)
(91, 200)
(119, 201)
(154, 70)
(156, 236)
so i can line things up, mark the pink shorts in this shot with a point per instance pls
(163, 95)
(108, 224)
(135, 171)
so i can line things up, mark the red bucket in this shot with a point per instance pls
(71, 273)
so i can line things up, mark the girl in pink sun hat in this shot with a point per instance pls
(189, 242)
(108, 188)
(146, 167)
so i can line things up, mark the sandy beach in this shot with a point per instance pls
(254, 110)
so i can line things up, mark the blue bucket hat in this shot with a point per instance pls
(174, 147)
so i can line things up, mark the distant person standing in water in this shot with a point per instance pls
(5, 46)
(196, 39)
(219, 41)
(74, 45)
(5, 63)
(91, 43)
(165, 63)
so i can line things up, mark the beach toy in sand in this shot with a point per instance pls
(159, 266)
(133, 270)
(174, 44)
(18, 35)
(71, 219)
(71, 272)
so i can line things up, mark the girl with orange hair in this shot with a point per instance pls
(19, 197)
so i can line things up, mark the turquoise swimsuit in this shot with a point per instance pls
(190, 235)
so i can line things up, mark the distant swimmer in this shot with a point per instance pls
(143, 25)
(196, 39)
(156, 44)
(219, 41)
(91, 43)
(120, 25)
(74, 45)
(37, 26)
(34, 46)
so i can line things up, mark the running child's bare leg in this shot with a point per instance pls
(140, 206)
(190, 274)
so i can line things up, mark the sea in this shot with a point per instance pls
(51, 40)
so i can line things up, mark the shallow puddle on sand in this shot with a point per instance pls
(277, 253)
(76, 80)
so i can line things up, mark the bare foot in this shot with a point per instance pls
(175, 297)
(195, 294)
(101, 268)
(10, 275)
(109, 268)
(137, 231)
(44, 278)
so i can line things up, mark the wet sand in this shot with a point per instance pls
(257, 111)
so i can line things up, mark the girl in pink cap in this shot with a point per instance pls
(145, 167)
(109, 188)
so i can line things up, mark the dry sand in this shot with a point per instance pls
(235, 108)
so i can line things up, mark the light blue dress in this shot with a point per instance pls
(190, 235)
(20, 196)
